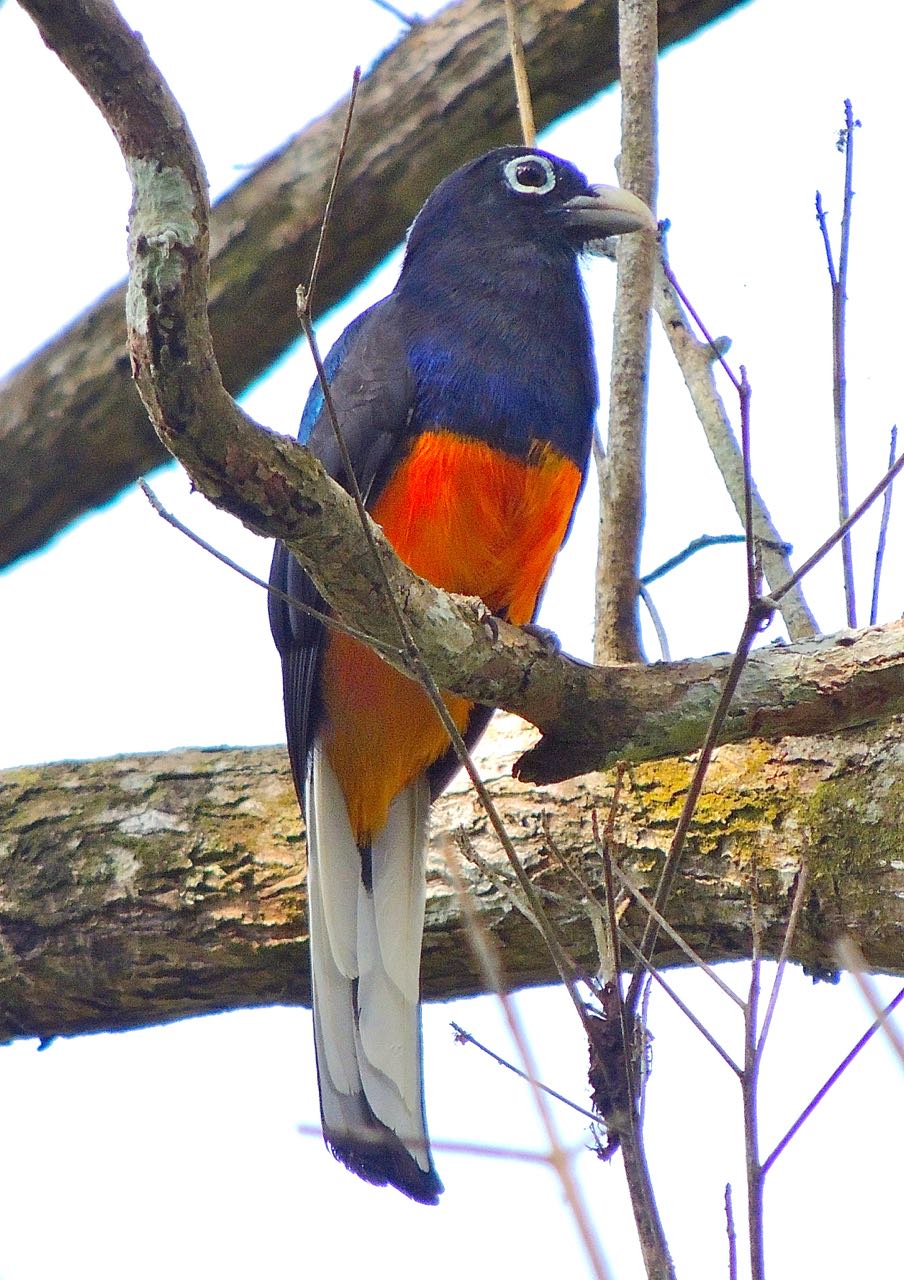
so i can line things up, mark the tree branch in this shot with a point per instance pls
(73, 432)
(147, 888)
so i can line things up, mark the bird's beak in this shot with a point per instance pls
(608, 211)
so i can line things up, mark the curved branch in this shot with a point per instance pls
(73, 432)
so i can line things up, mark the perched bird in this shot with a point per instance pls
(466, 399)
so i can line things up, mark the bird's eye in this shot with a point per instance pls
(530, 175)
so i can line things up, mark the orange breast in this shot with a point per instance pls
(468, 519)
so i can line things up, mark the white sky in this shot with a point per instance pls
(176, 1150)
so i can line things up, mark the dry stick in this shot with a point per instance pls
(695, 360)
(851, 957)
(692, 955)
(325, 619)
(685, 1009)
(696, 544)
(832, 1079)
(803, 880)
(749, 1079)
(519, 70)
(883, 534)
(838, 284)
(621, 476)
(752, 625)
(658, 626)
(331, 196)
(732, 1235)
(485, 953)
(774, 600)
(397, 13)
(465, 1037)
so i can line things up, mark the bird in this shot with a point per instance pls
(466, 399)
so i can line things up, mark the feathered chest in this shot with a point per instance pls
(503, 353)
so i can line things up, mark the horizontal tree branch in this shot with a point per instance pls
(72, 430)
(146, 888)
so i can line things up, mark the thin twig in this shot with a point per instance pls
(658, 625)
(803, 877)
(749, 1090)
(397, 13)
(883, 533)
(753, 585)
(331, 197)
(732, 1235)
(821, 551)
(519, 70)
(839, 370)
(657, 977)
(485, 953)
(692, 955)
(465, 1037)
(752, 625)
(696, 544)
(326, 619)
(832, 1080)
(850, 955)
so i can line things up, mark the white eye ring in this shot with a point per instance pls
(510, 173)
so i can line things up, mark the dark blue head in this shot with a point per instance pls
(520, 195)
(491, 297)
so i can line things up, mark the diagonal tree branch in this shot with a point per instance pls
(72, 430)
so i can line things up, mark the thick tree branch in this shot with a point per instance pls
(147, 888)
(72, 430)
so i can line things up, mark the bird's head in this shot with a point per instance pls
(521, 194)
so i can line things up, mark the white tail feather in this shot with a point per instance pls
(365, 962)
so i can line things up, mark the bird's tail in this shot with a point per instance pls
(366, 912)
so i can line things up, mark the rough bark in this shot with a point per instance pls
(72, 430)
(142, 889)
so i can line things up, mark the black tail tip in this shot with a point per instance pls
(388, 1163)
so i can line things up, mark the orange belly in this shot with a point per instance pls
(468, 519)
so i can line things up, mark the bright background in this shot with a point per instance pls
(176, 1150)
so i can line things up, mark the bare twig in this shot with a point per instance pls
(397, 13)
(334, 183)
(485, 953)
(465, 1037)
(752, 626)
(883, 533)
(838, 284)
(749, 1090)
(832, 1080)
(821, 551)
(732, 1235)
(692, 955)
(657, 977)
(519, 70)
(658, 625)
(803, 877)
(850, 955)
(327, 619)
(697, 544)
